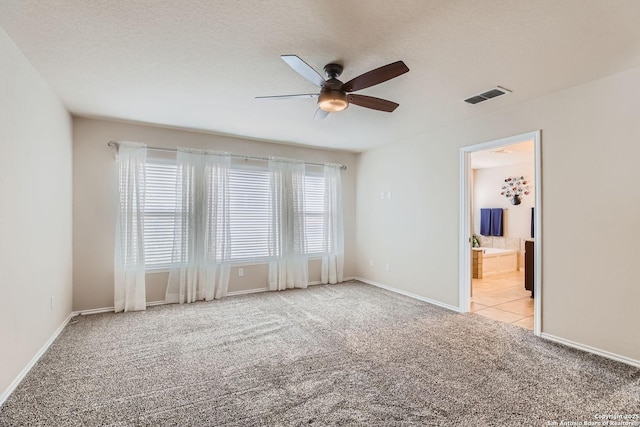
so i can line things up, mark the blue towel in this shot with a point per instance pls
(485, 222)
(496, 222)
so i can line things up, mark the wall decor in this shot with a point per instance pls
(514, 188)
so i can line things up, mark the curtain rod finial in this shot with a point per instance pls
(113, 144)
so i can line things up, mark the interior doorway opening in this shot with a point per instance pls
(500, 230)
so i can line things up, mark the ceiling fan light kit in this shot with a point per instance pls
(332, 100)
(334, 95)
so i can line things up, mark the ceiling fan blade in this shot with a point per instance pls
(372, 102)
(302, 95)
(320, 114)
(304, 69)
(375, 77)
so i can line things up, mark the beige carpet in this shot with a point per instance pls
(346, 354)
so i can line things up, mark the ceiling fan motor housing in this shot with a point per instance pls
(333, 70)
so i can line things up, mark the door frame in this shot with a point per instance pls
(465, 221)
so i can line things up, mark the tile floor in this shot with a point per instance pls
(502, 297)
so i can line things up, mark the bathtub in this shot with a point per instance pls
(488, 261)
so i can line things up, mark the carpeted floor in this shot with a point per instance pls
(348, 354)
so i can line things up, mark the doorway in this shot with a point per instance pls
(509, 243)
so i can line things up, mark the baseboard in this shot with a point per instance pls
(253, 291)
(94, 311)
(248, 291)
(152, 303)
(111, 309)
(5, 394)
(409, 294)
(344, 280)
(593, 350)
(229, 294)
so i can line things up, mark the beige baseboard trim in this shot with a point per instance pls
(229, 294)
(5, 394)
(266, 289)
(344, 280)
(248, 291)
(111, 309)
(593, 350)
(253, 291)
(152, 303)
(94, 311)
(409, 294)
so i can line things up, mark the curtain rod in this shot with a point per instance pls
(116, 145)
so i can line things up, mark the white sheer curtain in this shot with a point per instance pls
(288, 267)
(129, 273)
(200, 258)
(333, 238)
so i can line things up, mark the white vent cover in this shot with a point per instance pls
(485, 96)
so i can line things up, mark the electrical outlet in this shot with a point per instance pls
(389, 195)
(241, 272)
(382, 195)
(387, 266)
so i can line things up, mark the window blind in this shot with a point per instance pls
(314, 213)
(250, 213)
(159, 214)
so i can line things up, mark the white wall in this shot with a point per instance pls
(35, 213)
(590, 209)
(93, 211)
(487, 184)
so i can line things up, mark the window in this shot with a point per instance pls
(159, 213)
(314, 213)
(250, 213)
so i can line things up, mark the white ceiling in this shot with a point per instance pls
(198, 64)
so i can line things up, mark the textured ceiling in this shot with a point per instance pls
(199, 64)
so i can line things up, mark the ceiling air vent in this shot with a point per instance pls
(492, 93)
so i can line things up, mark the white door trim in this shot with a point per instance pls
(465, 222)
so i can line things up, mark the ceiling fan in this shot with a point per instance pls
(334, 95)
